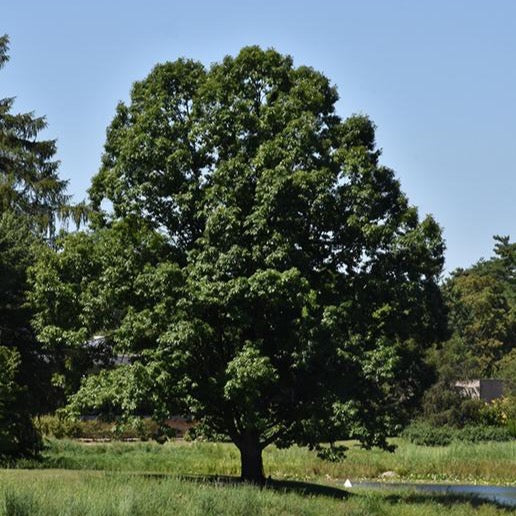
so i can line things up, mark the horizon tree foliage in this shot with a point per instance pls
(259, 266)
(481, 304)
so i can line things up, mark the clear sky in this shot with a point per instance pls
(438, 77)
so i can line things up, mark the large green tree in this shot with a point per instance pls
(262, 269)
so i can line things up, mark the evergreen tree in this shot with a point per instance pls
(29, 182)
(32, 199)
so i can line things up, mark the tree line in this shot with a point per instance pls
(248, 253)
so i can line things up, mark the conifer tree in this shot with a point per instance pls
(29, 182)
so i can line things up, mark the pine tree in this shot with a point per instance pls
(32, 199)
(29, 181)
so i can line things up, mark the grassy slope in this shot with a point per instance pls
(83, 493)
(493, 463)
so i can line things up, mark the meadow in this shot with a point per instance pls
(199, 478)
(488, 462)
(87, 493)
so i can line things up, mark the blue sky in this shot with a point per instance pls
(438, 78)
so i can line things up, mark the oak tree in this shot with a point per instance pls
(262, 269)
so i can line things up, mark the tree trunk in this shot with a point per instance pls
(251, 461)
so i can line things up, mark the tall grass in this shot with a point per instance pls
(473, 463)
(82, 493)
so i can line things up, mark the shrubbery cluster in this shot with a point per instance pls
(449, 416)
(137, 428)
(445, 405)
(424, 434)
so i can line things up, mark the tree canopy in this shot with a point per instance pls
(262, 269)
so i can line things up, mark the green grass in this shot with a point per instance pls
(200, 479)
(493, 463)
(87, 493)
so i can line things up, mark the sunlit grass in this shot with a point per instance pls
(473, 463)
(87, 493)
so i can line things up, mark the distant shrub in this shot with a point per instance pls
(422, 433)
(427, 435)
(137, 428)
(478, 433)
(443, 405)
(505, 408)
(53, 426)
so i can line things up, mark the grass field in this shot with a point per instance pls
(491, 463)
(194, 479)
(86, 493)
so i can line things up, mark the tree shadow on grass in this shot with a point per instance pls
(283, 486)
(314, 489)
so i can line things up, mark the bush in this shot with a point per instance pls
(136, 428)
(53, 426)
(422, 433)
(445, 405)
(479, 433)
(427, 435)
(504, 408)
(441, 405)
